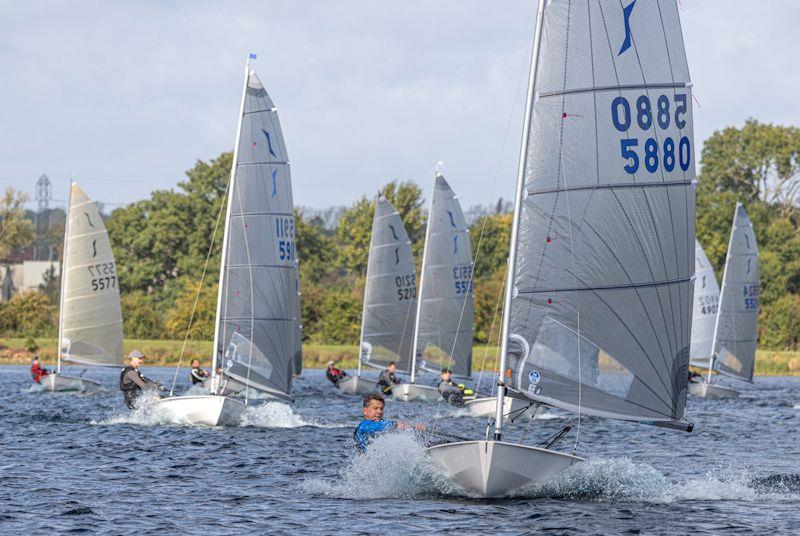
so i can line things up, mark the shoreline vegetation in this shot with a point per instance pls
(165, 353)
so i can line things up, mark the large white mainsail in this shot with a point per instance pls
(602, 245)
(91, 320)
(90, 316)
(257, 311)
(445, 310)
(704, 308)
(736, 332)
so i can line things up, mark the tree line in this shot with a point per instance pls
(162, 244)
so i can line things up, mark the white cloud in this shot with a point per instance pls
(128, 95)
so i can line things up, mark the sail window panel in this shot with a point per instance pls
(263, 188)
(259, 353)
(639, 366)
(389, 330)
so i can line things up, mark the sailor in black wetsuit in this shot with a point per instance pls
(132, 382)
(387, 379)
(449, 390)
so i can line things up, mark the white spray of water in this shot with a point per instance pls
(143, 415)
(272, 415)
(620, 479)
(394, 466)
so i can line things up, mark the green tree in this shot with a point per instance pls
(757, 162)
(29, 314)
(490, 237)
(142, 320)
(15, 229)
(168, 236)
(354, 228)
(179, 315)
(780, 323)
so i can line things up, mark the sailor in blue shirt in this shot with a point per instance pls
(374, 424)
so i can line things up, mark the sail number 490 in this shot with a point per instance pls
(667, 153)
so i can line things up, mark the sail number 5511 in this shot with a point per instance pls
(666, 153)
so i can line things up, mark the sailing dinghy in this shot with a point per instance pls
(602, 243)
(736, 324)
(90, 316)
(256, 321)
(444, 319)
(390, 299)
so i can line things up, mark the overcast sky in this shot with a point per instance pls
(127, 95)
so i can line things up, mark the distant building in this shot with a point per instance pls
(25, 276)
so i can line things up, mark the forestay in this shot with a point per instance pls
(737, 321)
(91, 320)
(258, 313)
(704, 308)
(606, 229)
(445, 319)
(390, 294)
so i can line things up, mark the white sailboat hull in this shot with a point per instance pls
(209, 410)
(409, 392)
(487, 407)
(709, 390)
(59, 383)
(356, 385)
(493, 469)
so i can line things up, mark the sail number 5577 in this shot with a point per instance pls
(652, 153)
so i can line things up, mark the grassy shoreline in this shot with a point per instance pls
(165, 353)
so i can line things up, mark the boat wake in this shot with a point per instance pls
(272, 415)
(620, 479)
(396, 466)
(143, 415)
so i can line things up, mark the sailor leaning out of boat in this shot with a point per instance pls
(374, 424)
(133, 383)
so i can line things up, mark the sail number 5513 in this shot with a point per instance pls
(652, 153)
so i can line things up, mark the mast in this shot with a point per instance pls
(61, 276)
(231, 186)
(713, 357)
(421, 280)
(510, 273)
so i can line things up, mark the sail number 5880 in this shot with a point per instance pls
(655, 154)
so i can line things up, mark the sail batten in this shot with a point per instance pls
(91, 316)
(604, 260)
(258, 317)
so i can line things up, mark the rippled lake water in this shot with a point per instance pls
(86, 464)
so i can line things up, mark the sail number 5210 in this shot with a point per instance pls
(652, 153)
